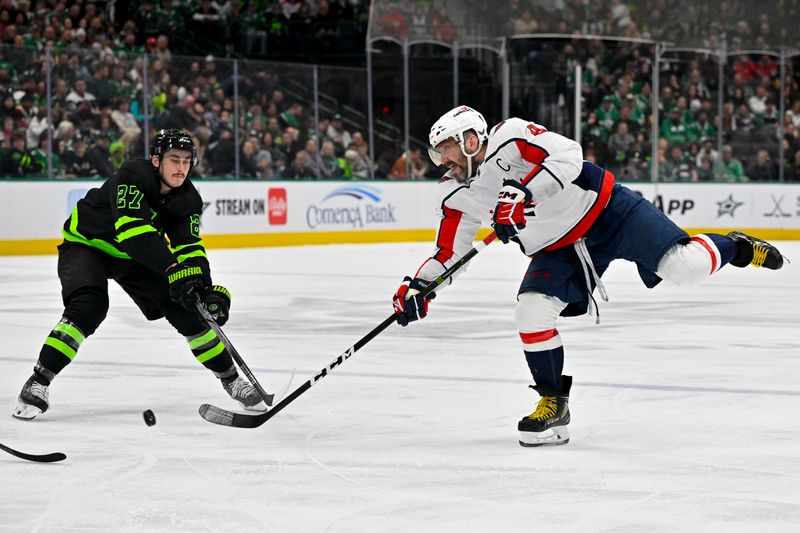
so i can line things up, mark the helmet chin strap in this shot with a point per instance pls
(470, 170)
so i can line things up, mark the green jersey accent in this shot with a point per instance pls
(134, 232)
(128, 217)
(192, 249)
(125, 220)
(73, 235)
(198, 253)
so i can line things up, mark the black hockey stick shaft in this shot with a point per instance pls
(267, 397)
(227, 418)
(44, 458)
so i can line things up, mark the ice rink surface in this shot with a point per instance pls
(685, 406)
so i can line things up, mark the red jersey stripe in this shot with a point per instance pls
(447, 234)
(532, 174)
(538, 336)
(590, 217)
(530, 152)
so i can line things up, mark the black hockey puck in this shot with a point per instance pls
(149, 418)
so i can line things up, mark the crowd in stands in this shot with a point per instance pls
(618, 116)
(104, 94)
(98, 107)
(617, 119)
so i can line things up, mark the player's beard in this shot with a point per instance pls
(458, 172)
(463, 174)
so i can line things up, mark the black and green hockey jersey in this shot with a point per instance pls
(127, 218)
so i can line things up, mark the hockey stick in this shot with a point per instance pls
(267, 397)
(44, 458)
(224, 417)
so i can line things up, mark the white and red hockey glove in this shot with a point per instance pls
(509, 213)
(409, 305)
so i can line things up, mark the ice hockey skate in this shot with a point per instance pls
(244, 393)
(547, 425)
(33, 400)
(756, 252)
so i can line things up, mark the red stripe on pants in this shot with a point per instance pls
(538, 336)
(710, 252)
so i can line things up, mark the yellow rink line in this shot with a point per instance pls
(252, 240)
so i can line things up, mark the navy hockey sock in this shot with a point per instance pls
(546, 366)
(726, 246)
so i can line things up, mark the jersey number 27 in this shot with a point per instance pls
(128, 196)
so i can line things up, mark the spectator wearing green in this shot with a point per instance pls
(679, 165)
(7, 71)
(727, 169)
(40, 156)
(607, 114)
(673, 129)
(171, 16)
(637, 113)
(593, 132)
(642, 100)
(705, 168)
(18, 162)
(254, 29)
(117, 151)
(620, 96)
(347, 163)
(701, 129)
(291, 117)
(769, 118)
(686, 114)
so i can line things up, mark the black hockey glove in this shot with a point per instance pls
(185, 283)
(218, 303)
(408, 304)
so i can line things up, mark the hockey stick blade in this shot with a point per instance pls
(266, 396)
(44, 458)
(223, 417)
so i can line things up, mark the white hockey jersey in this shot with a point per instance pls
(568, 194)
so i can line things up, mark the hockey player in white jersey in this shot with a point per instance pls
(572, 219)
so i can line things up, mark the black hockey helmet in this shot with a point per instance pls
(172, 139)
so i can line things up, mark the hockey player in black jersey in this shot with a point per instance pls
(119, 231)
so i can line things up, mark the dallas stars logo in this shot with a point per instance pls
(727, 206)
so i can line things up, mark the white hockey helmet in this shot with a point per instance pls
(453, 125)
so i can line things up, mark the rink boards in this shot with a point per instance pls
(281, 213)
